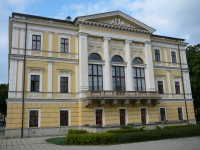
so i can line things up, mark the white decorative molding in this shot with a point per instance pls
(30, 69)
(117, 21)
(65, 71)
(113, 54)
(141, 57)
(95, 51)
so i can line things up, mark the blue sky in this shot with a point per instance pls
(176, 18)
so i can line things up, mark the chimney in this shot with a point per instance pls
(68, 18)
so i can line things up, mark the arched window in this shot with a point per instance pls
(94, 56)
(137, 60)
(117, 59)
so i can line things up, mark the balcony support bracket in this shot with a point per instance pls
(125, 102)
(145, 102)
(88, 102)
(113, 102)
(155, 102)
(135, 102)
(101, 102)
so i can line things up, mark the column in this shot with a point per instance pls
(50, 73)
(83, 64)
(150, 84)
(107, 72)
(129, 68)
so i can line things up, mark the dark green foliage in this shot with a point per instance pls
(193, 60)
(91, 139)
(3, 97)
(127, 127)
(151, 135)
(70, 131)
(126, 130)
(158, 128)
(57, 141)
(180, 126)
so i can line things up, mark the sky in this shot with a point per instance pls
(175, 18)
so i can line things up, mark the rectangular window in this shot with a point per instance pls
(177, 88)
(157, 55)
(139, 79)
(173, 55)
(64, 118)
(180, 113)
(162, 114)
(35, 82)
(36, 42)
(118, 78)
(95, 77)
(64, 45)
(99, 117)
(64, 84)
(160, 87)
(33, 120)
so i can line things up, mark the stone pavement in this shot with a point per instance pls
(40, 144)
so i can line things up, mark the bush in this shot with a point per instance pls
(126, 130)
(91, 139)
(70, 131)
(127, 127)
(158, 128)
(151, 135)
(179, 126)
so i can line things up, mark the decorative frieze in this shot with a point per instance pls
(117, 21)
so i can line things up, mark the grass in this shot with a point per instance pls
(57, 141)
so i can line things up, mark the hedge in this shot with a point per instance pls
(126, 130)
(151, 135)
(127, 127)
(116, 138)
(91, 139)
(179, 126)
(70, 131)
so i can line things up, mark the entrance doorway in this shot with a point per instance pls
(122, 117)
(143, 116)
(99, 117)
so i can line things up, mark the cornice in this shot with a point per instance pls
(167, 41)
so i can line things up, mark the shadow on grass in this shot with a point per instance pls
(57, 141)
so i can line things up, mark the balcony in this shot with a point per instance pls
(125, 97)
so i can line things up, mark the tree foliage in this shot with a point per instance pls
(193, 59)
(3, 97)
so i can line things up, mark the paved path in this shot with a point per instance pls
(40, 144)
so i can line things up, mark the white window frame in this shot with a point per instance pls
(147, 114)
(34, 32)
(160, 78)
(177, 79)
(165, 112)
(157, 48)
(126, 114)
(64, 75)
(35, 73)
(39, 114)
(171, 56)
(103, 115)
(182, 111)
(66, 36)
(69, 116)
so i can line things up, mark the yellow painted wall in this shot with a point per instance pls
(55, 44)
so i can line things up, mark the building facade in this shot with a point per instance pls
(105, 69)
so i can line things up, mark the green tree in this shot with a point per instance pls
(193, 59)
(3, 97)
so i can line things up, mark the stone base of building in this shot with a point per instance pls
(56, 131)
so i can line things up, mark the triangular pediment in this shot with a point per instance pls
(115, 18)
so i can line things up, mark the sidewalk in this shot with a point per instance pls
(39, 143)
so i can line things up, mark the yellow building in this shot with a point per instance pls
(105, 70)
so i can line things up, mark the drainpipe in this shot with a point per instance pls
(183, 83)
(22, 135)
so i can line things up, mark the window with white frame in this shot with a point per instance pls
(35, 41)
(173, 56)
(180, 113)
(163, 114)
(34, 118)
(64, 81)
(160, 87)
(177, 87)
(35, 79)
(64, 117)
(64, 84)
(177, 84)
(64, 40)
(157, 54)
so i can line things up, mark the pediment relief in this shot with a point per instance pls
(137, 50)
(116, 21)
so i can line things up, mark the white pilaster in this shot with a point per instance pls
(29, 42)
(22, 41)
(50, 73)
(107, 72)
(19, 79)
(169, 84)
(129, 68)
(150, 72)
(166, 59)
(15, 37)
(83, 64)
(12, 78)
(50, 43)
